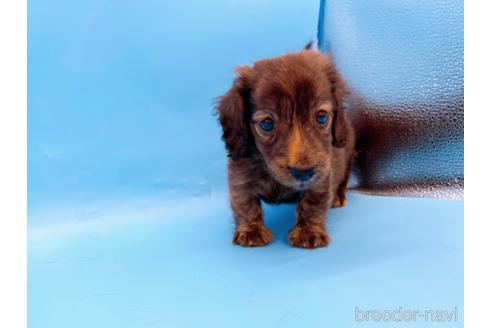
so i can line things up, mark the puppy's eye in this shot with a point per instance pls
(322, 117)
(266, 124)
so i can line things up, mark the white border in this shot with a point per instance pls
(478, 165)
(13, 183)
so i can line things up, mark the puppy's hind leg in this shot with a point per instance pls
(339, 199)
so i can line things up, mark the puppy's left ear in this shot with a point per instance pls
(234, 110)
(338, 93)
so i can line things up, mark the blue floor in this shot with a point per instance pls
(129, 224)
(165, 261)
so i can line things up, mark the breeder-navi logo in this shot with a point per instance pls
(405, 315)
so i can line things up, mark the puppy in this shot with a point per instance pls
(288, 140)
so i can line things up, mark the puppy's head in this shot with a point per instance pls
(289, 109)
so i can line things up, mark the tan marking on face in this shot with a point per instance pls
(294, 148)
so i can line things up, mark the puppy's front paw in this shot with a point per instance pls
(252, 236)
(308, 237)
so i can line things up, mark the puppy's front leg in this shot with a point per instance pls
(310, 230)
(250, 228)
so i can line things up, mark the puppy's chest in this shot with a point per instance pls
(270, 191)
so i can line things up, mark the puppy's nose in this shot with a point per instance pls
(302, 174)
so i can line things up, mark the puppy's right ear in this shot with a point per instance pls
(339, 91)
(234, 111)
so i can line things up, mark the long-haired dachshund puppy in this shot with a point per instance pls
(288, 140)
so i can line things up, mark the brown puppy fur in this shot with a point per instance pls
(294, 92)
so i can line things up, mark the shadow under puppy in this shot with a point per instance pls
(288, 141)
